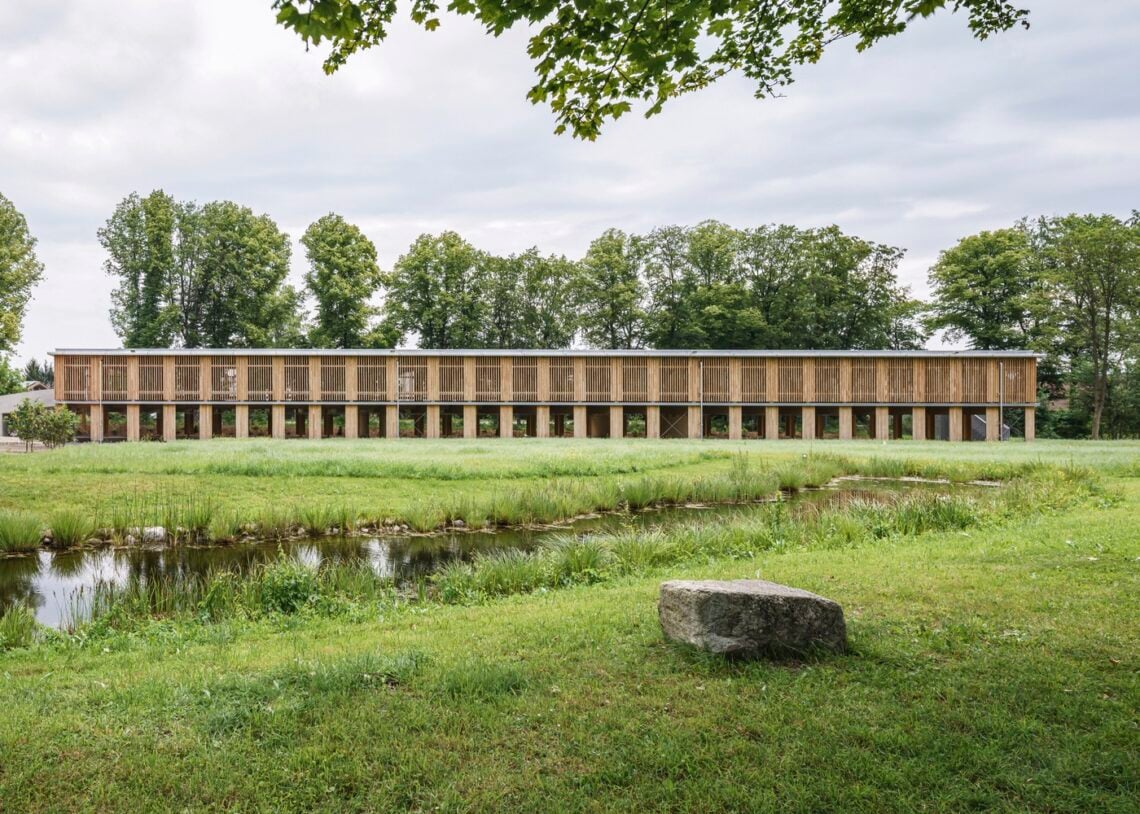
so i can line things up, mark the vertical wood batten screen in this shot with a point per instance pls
(754, 379)
(634, 379)
(973, 380)
(863, 381)
(223, 378)
(674, 379)
(114, 378)
(187, 378)
(488, 375)
(150, 378)
(412, 380)
(259, 378)
(1018, 381)
(937, 384)
(791, 380)
(524, 379)
(296, 378)
(77, 379)
(900, 380)
(372, 378)
(827, 380)
(598, 379)
(332, 378)
(451, 379)
(714, 379)
(561, 379)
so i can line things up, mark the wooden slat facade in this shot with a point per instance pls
(662, 384)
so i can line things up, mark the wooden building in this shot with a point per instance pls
(203, 393)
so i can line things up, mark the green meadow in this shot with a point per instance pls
(993, 661)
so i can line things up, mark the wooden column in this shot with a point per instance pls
(617, 422)
(844, 387)
(695, 388)
(392, 421)
(772, 423)
(735, 385)
(617, 382)
(882, 422)
(391, 376)
(205, 375)
(241, 420)
(314, 411)
(809, 388)
(314, 385)
(992, 382)
(351, 393)
(807, 420)
(579, 388)
(206, 421)
(352, 421)
(956, 385)
(132, 386)
(918, 423)
(506, 385)
(133, 418)
(279, 382)
(543, 372)
(542, 417)
(169, 425)
(653, 421)
(1030, 423)
(506, 421)
(993, 424)
(846, 418)
(470, 416)
(695, 418)
(955, 428)
(432, 428)
(277, 420)
(168, 378)
(772, 382)
(919, 382)
(241, 368)
(882, 384)
(468, 388)
(653, 385)
(735, 420)
(96, 420)
(433, 386)
(580, 428)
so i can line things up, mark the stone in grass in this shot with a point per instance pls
(747, 618)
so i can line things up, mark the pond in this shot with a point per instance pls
(54, 583)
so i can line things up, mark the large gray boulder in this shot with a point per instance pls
(749, 617)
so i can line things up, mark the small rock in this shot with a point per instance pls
(153, 534)
(458, 524)
(749, 618)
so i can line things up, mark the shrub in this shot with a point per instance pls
(70, 528)
(20, 531)
(287, 586)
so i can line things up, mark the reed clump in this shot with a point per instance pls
(20, 531)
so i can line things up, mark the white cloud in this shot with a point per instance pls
(915, 143)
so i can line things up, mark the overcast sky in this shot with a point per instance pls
(916, 143)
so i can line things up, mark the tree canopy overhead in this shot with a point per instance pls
(595, 58)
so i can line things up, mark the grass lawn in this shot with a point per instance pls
(993, 667)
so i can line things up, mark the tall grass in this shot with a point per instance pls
(20, 531)
(70, 528)
(18, 627)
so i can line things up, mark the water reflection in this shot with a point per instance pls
(53, 583)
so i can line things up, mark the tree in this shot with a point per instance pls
(139, 241)
(435, 291)
(10, 379)
(594, 60)
(987, 289)
(528, 301)
(610, 294)
(31, 421)
(342, 277)
(20, 270)
(37, 371)
(1093, 267)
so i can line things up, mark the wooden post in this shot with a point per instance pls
(277, 420)
(617, 422)
(205, 378)
(882, 384)
(918, 423)
(653, 421)
(617, 383)
(696, 387)
(735, 389)
(844, 388)
(772, 423)
(542, 417)
(956, 387)
(882, 422)
(352, 421)
(1030, 423)
(314, 411)
(580, 428)
(96, 420)
(808, 389)
(241, 420)
(807, 420)
(695, 418)
(169, 427)
(543, 368)
(393, 385)
(314, 386)
(470, 416)
(579, 390)
(168, 378)
(351, 392)
(279, 382)
(506, 385)
(432, 428)
(772, 382)
(506, 421)
(955, 421)
(468, 388)
(993, 384)
(433, 390)
(846, 418)
(206, 422)
(132, 387)
(993, 424)
(919, 384)
(133, 419)
(653, 386)
(735, 421)
(241, 368)
(392, 420)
